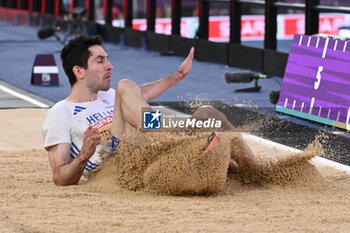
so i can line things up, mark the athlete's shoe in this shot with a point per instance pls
(213, 140)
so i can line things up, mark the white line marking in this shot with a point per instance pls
(24, 97)
(302, 106)
(301, 39)
(293, 104)
(318, 41)
(285, 102)
(329, 113)
(325, 48)
(335, 45)
(344, 49)
(281, 147)
(45, 70)
(241, 105)
(308, 42)
(319, 111)
(348, 117)
(312, 104)
(338, 116)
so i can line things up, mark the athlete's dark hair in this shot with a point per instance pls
(77, 53)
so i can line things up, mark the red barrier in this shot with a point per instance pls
(14, 15)
(105, 3)
(88, 7)
(11, 15)
(2, 13)
(71, 7)
(43, 6)
(23, 17)
(30, 5)
(57, 7)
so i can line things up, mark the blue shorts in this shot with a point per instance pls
(115, 144)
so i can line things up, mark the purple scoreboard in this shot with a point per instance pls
(316, 83)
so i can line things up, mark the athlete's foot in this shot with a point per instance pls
(213, 140)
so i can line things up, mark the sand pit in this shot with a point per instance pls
(30, 202)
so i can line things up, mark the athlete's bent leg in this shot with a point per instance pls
(241, 155)
(128, 107)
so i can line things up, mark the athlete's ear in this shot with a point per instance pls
(78, 71)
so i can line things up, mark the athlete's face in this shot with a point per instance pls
(98, 73)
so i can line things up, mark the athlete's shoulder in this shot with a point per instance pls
(61, 107)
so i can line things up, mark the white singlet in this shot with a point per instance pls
(66, 122)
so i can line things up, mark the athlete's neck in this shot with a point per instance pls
(79, 95)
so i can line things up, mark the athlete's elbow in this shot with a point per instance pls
(59, 181)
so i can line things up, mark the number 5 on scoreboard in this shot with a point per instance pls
(318, 77)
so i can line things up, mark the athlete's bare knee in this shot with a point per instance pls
(209, 111)
(126, 85)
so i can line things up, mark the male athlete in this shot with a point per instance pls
(78, 129)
